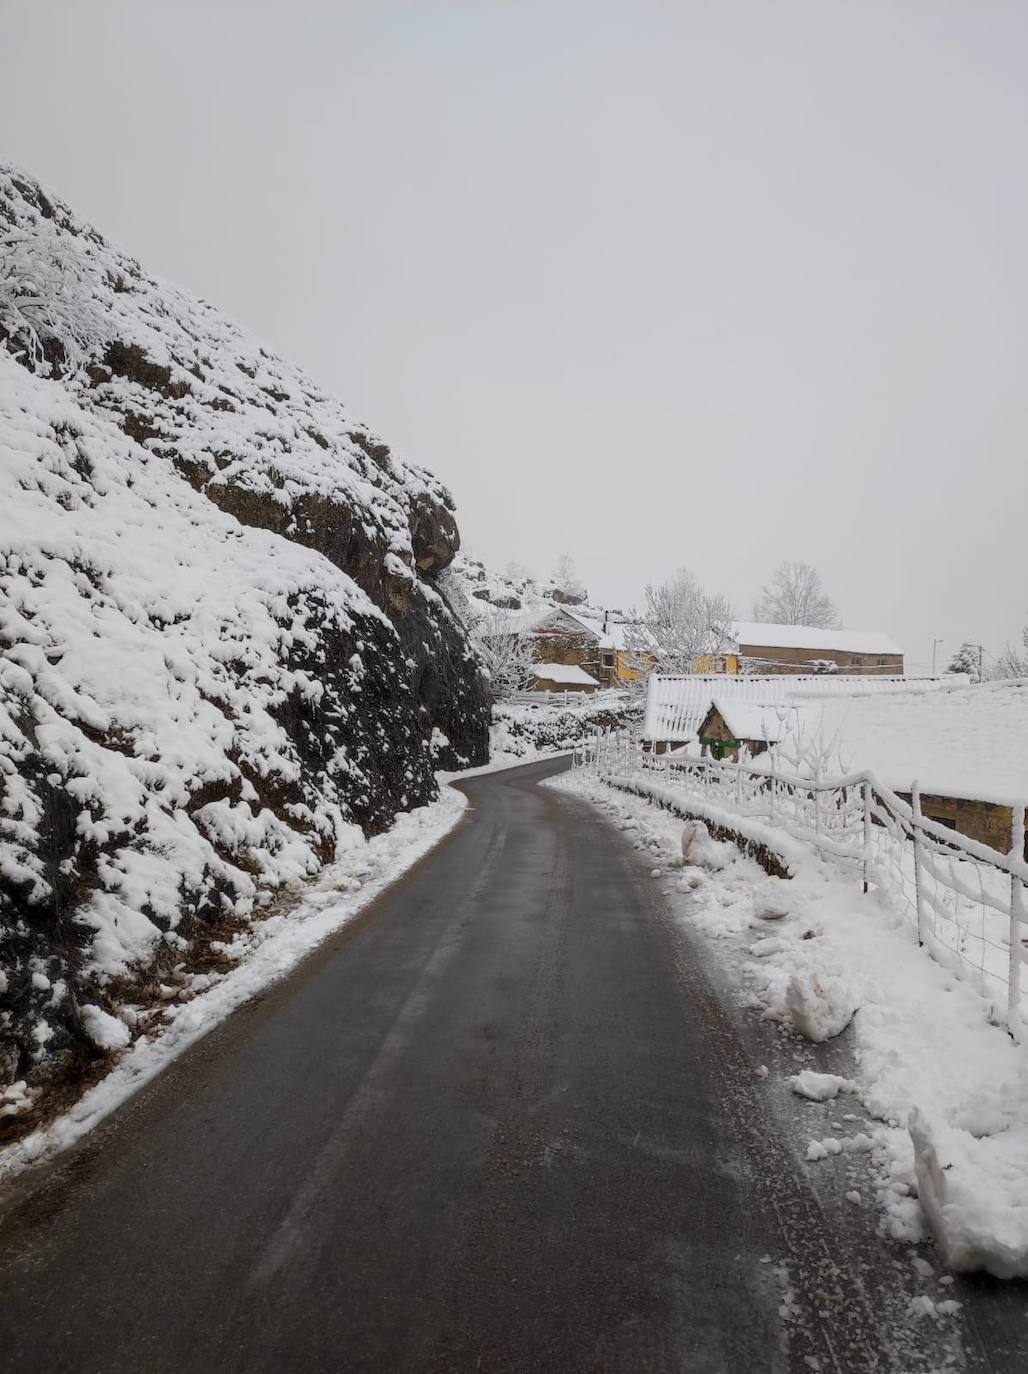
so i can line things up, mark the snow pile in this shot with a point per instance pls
(820, 1006)
(974, 1190)
(948, 1089)
(820, 1087)
(223, 655)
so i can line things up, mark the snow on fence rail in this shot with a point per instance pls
(966, 900)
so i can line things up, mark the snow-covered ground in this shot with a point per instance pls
(263, 953)
(946, 1090)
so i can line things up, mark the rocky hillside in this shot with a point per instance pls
(222, 642)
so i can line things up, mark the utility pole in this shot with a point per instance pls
(935, 645)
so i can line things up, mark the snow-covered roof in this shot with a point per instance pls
(971, 742)
(567, 673)
(764, 636)
(675, 705)
(750, 720)
(611, 633)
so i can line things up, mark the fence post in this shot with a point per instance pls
(915, 807)
(817, 799)
(1017, 916)
(866, 790)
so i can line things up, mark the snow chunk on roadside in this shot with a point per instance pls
(105, 1031)
(820, 1005)
(820, 1087)
(975, 1193)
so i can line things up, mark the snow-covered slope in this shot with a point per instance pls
(222, 645)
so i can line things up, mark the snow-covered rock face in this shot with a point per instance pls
(221, 645)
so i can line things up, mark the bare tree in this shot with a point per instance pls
(507, 656)
(565, 580)
(796, 596)
(682, 622)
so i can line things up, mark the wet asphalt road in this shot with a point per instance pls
(499, 1123)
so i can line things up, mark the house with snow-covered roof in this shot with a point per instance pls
(967, 748)
(765, 648)
(604, 644)
(733, 727)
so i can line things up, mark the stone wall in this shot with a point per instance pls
(790, 660)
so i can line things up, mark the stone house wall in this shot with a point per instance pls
(789, 660)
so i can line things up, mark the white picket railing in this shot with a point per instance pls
(966, 900)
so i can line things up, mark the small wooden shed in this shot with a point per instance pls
(732, 727)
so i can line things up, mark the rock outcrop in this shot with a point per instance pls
(222, 643)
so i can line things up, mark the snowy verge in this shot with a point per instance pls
(947, 1089)
(265, 952)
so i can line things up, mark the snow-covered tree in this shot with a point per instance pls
(565, 581)
(796, 596)
(683, 622)
(967, 659)
(1011, 663)
(46, 305)
(508, 657)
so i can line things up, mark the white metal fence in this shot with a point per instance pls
(966, 900)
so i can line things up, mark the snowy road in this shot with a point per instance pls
(500, 1123)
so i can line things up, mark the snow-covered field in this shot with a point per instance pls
(947, 1090)
(263, 953)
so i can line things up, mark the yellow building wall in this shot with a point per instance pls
(716, 663)
(625, 670)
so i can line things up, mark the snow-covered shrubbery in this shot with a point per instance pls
(521, 731)
(222, 647)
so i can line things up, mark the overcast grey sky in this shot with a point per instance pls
(703, 283)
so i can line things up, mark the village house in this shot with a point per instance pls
(761, 648)
(602, 645)
(966, 748)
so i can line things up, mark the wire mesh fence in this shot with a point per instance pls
(966, 901)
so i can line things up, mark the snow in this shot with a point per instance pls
(763, 636)
(945, 1090)
(264, 953)
(197, 706)
(820, 1006)
(567, 674)
(820, 1087)
(975, 1193)
(752, 721)
(675, 705)
(105, 1030)
(969, 742)
(128, 602)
